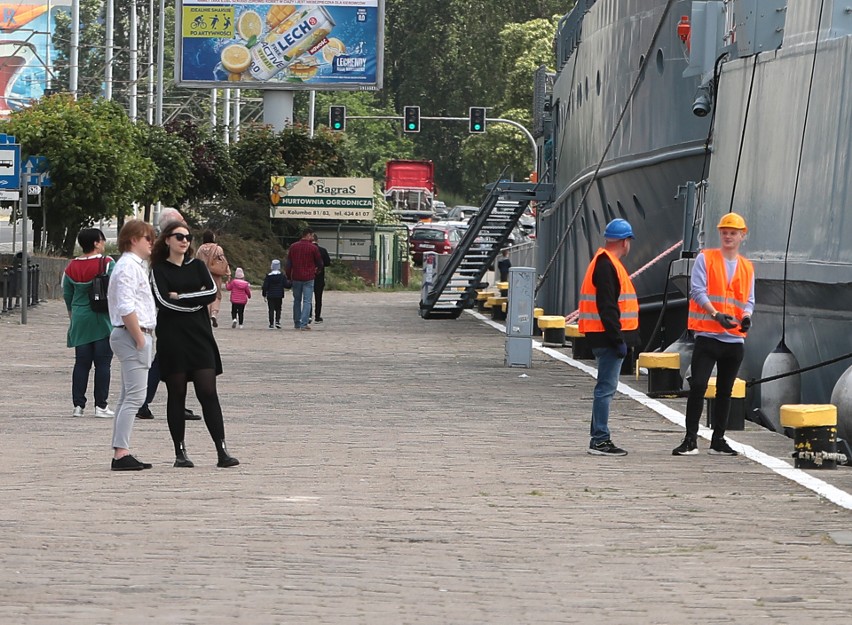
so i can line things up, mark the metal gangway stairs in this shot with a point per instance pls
(454, 287)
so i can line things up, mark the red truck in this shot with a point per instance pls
(410, 188)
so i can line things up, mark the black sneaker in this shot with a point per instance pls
(144, 413)
(720, 447)
(689, 447)
(277, 326)
(606, 448)
(214, 322)
(129, 463)
(188, 415)
(318, 319)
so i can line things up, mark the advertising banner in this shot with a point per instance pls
(27, 51)
(266, 44)
(299, 197)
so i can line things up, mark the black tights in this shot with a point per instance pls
(204, 381)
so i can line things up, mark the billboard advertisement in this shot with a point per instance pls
(300, 197)
(266, 44)
(26, 50)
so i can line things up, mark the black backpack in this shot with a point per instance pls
(100, 286)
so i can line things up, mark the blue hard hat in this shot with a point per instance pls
(618, 229)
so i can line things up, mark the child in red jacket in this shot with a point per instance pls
(240, 295)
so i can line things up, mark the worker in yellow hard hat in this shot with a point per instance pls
(721, 302)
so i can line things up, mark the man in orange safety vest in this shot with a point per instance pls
(609, 317)
(720, 307)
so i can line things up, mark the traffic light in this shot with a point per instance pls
(411, 119)
(337, 118)
(477, 119)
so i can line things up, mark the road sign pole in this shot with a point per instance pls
(24, 249)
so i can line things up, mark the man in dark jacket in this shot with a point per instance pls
(319, 280)
(609, 317)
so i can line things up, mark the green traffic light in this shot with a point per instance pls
(337, 125)
(411, 126)
(477, 127)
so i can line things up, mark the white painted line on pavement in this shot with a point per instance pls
(821, 488)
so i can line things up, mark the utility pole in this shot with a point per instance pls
(75, 48)
(226, 115)
(134, 72)
(108, 53)
(150, 104)
(161, 53)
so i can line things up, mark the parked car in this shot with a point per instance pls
(433, 237)
(462, 213)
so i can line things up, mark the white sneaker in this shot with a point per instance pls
(78, 411)
(234, 324)
(104, 413)
(241, 326)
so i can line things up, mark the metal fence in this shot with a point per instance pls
(11, 280)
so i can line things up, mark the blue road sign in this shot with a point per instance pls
(10, 163)
(36, 169)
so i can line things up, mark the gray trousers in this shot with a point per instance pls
(134, 382)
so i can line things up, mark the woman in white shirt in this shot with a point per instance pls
(133, 316)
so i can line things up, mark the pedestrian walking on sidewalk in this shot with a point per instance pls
(319, 280)
(721, 302)
(274, 285)
(187, 350)
(609, 317)
(134, 317)
(89, 330)
(303, 262)
(240, 295)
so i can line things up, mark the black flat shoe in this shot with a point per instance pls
(184, 463)
(144, 413)
(129, 463)
(228, 461)
(188, 415)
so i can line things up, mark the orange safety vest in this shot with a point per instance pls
(628, 304)
(730, 299)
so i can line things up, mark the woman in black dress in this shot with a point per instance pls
(186, 348)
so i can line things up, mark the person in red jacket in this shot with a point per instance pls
(304, 261)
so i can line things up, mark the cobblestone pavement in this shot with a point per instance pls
(393, 471)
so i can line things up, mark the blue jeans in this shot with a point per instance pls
(609, 368)
(98, 353)
(303, 293)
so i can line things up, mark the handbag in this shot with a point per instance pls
(99, 290)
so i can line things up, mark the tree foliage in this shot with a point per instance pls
(96, 163)
(171, 158)
(263, 153)
(213, 171)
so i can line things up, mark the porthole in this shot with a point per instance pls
(639, 208)
(599, 82)
(661, 61)
(621, 210)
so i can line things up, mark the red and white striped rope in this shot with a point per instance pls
(572, 317)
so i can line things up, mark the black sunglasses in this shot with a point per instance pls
(180, 236)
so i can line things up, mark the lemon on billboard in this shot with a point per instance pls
(273, 44)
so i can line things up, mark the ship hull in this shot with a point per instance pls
(653, 150)
(793, 185)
